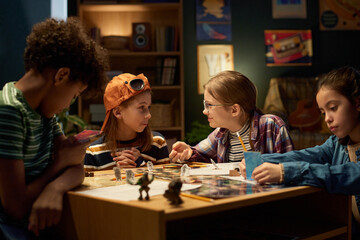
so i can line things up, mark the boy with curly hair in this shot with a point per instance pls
(38, 164)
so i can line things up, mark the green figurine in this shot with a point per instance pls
(144, 182)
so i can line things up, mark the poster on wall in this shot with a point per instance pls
(212, 59)
(289, 8)
(288, 47)
(339, 15)
(213, 20)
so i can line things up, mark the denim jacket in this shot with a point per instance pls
(327, 166)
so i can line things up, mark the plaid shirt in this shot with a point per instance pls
(268, 135)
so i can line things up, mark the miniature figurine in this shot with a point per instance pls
(173, 193)
(144, 182)
(185, 170)
(117, 172)
(150, 166)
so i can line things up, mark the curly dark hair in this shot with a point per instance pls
(56, 43)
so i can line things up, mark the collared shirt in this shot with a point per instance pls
(268, 134)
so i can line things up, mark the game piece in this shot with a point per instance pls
(173, 193)
(89, 174)
(150, 166)
(185, 170)
(117, 172)
(144, 182)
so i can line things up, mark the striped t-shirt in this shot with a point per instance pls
(236, 150)
(24, 133)
(98, 155)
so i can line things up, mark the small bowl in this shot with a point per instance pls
(116, 42)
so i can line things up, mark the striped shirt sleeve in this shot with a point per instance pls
(11, 133)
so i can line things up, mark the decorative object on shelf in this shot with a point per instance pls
(288, 47)
(141, 36)
(339, 15)
(173, 193)
(116, 42)
(289, 8)
(212, 59)
(162, 114)
(213, 20)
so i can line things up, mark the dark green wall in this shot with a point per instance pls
(16, 20)
(331, 49)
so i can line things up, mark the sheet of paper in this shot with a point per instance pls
(224, 169)
(242, 179)
(127, 192)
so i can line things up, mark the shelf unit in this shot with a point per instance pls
(116, 19)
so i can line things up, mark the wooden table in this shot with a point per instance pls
(304, 212)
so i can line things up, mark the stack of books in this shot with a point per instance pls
(167, 38)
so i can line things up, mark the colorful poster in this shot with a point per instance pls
(213, 20)
(289, 8)
(213, 59)
(339, 14)
(288, 47)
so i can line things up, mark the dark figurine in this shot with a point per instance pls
(144, 182)
(173, 193)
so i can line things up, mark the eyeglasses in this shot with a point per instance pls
(137, 84)
(207, 106)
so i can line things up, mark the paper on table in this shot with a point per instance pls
(242, 179)
(224, 169)
(128, 192)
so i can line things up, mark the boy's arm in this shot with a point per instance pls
(16, 196)
(47, 208)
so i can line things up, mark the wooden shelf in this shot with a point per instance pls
(126, 53)
(117, 19)
(129, 7)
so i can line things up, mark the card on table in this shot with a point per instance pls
(252, 160)
(88, 136)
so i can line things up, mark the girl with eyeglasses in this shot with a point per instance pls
(230, 106)
(128, 141)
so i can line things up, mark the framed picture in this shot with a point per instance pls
(288, 47)
(212, 59)
(289, 8)
(339, 15)
(213, 20)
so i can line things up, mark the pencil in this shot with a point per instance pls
(197, 197)
(241, 141)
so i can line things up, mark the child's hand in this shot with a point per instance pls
(126, 158)
(267, 173)
(46, 210)
(243, 168)
(180, 152)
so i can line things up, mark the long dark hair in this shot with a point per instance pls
(345, 81)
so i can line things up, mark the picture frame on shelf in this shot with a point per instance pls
(212, 59)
